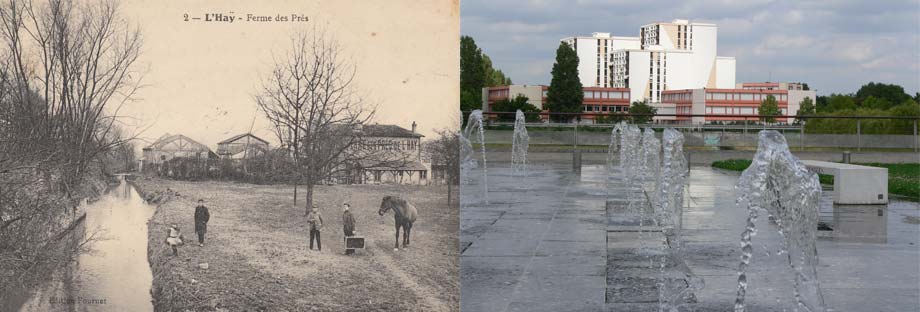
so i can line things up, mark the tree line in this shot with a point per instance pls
(872, 99)
(476, 72)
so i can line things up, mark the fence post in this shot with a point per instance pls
(575, 143)
(916, 139)
(802, 135)
(745, 126)
(858, 133)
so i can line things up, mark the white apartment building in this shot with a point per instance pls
(666, 56)
(594, 56)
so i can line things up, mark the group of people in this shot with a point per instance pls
(315, 222)
(175, 239)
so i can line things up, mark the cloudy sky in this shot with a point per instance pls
(835, 45)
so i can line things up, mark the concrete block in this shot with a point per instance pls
(854, 184)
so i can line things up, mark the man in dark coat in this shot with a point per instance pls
(315, 222)
(201, 221)
(348, 224)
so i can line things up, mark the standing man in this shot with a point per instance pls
(348, 224)
(315, 221)
(201, 221)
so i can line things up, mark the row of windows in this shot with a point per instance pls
(674, 97)
(606, 108)
(606, 95)
(602, 94)
(735, 110)
(498, 93)
(685, 37)
(742, 96)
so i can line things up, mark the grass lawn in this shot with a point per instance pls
(903, 179)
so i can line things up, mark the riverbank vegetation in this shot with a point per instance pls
(67, 67)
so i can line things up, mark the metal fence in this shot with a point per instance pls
(738, 134)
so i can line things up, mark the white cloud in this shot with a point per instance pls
(522, 27)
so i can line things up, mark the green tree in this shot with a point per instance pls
(470, 100)
(840, 102)
(873, 102)
(821, 103)
(565, 93)
(472, 78)
(531, 113)
(806, 107)
(476, 72)
(768, 109)
(907, 108)
(493, 77)
(642, 108)
(892, 94)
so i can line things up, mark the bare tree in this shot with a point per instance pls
(71, 68)
(66, 68)
(445, 155)
(316, 110)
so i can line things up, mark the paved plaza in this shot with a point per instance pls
(560, 240)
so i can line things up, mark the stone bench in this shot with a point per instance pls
(854, 184)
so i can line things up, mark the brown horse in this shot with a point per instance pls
(404, 215)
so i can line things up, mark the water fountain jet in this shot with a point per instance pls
(520, 142)
(467, 157)
(778, 184)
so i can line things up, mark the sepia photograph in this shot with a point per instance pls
(229, 156)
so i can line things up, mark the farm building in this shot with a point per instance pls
(242, 146)
(174, 146)
(400, 154)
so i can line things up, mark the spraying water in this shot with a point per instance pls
(519, 144)
(615, 135)
(651, 150)
(468, 160)
(670, 189)
(629, 152)
(669, 213)
(778, 184)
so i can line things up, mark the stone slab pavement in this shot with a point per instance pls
(542, 244)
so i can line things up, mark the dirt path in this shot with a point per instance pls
(259, 260)
(424, 294)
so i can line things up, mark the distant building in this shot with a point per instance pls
(398, 156)
(772, 86)
(596, 99)
(242, 146)
(672, 55)
(731, 104)
(169, 146)
(594, 56)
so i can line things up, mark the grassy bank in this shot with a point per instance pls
(256, 250)
(903, 179)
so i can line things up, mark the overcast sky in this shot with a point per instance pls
(835, 45)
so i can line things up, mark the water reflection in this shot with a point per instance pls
(853, 223)
(114, 275)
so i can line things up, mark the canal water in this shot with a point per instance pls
(114, 274)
